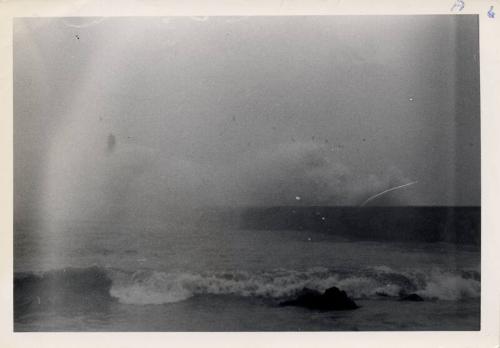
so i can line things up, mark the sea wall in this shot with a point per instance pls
(429, 224)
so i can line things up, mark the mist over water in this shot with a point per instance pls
(131, 180)
(131, 124)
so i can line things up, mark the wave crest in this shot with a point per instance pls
(154, 287)
(95, 285)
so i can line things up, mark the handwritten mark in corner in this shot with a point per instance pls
(491, 14)
(458, 5)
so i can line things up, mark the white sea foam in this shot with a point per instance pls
(450, 286)
(156, 289)
(153, 287)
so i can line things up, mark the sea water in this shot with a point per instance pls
(95, 276)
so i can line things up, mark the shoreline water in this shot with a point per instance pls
(232, 313)
(114, 298)
(93, 276)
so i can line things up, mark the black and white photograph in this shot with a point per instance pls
(247, 173)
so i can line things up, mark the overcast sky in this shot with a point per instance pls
(138, 114)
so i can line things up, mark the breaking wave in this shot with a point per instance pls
(145, 287)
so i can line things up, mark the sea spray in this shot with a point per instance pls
(154, 287)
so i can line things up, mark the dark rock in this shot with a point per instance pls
(412, 297)
(331, 299)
